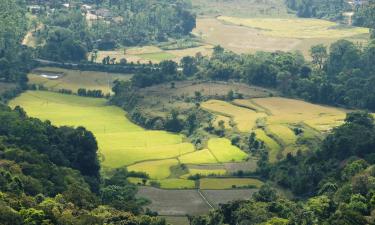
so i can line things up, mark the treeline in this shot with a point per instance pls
(50, 175)
(327, 9)
(338, 180)
(69, 36)
(364, 15)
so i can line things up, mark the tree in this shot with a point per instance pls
(319, 55)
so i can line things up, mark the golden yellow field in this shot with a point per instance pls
(244, 118)
(249, 39)
(228, 183)
(296, 27)
(274, 119)
(286, 110)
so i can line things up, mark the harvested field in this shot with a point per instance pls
(174, 202)
(177, 220)
(248, 166)
(216, 197)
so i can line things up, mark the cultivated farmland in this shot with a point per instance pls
(120, 141)
(273, 34)
(228, 183)
(75, 79)
(274, 121)
(145, 54)
(244, 118)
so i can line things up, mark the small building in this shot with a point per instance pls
(104, 13)
(34, 9)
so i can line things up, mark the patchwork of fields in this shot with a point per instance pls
(122, 143)
(251, 34)
(145, 54)
(275, 120)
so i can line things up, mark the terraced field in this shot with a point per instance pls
(274, 121)
(244, 118)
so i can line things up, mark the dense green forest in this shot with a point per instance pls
(50, 175)
(338, 179)
(14, 58)
(329, 9)
(69, 35)
(365, 16)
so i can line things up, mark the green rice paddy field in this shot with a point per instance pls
(122, 143)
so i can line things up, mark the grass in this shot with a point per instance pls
(157, 56)
(177, 184)
(296, 27)
(198, 157)
(75, 79)
(224, 151)
(205, 172)
(273, 147)
(158, 169)
(244, 118)
(121, 142)
(228, 183)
